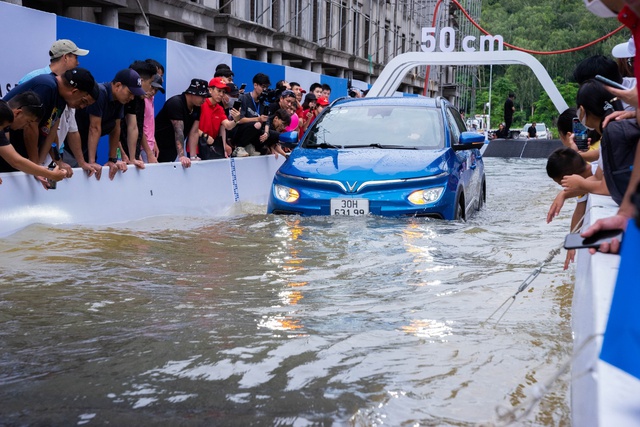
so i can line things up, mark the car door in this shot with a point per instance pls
(469, 174)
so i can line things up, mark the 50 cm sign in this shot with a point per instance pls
(447, 41)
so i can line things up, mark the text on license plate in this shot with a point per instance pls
(350, 207)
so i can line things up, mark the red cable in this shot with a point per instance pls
(433, 24)
(535, 52)
(555, 52)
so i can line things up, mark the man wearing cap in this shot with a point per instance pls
(131, 128)
(63, 56)
(179, 114)
(75, 88)
(213, 119)
(625, 55)
(103, 118)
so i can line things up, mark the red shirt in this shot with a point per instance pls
(211, 117)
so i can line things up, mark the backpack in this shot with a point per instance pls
(209, 152)
(618, 149)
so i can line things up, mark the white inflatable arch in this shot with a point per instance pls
(393, 73)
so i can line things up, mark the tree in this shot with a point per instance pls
(541, 25)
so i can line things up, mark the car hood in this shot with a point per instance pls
(365, 163)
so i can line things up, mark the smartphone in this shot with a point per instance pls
(52, 184)
(576, 241)
(237, 105)
(242, 86)
(580, 135)
(610, 82)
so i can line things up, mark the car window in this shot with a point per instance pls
(458, 119)
(387, 125)
(456, 125)
(541, 128)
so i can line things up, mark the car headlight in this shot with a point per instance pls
(424, 197)
(285, 194)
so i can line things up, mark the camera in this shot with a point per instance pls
(268, 95)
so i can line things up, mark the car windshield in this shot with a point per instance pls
(377, 126)
(541, 128)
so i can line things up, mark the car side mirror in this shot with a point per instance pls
(289, 139)
(469, 141)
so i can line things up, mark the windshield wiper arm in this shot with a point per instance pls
(383, 146)
(321, 145)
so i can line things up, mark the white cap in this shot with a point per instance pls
(624, 50)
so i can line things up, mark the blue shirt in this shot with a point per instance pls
(32, 74)
(46, 87)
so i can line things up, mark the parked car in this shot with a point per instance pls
(395, 156)
(541, 131)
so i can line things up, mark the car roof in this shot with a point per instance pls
(420, 101)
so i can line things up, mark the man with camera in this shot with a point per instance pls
(249, 133)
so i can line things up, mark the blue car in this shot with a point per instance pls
(393, 156)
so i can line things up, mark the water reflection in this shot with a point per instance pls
(267, 320)
(428, 329)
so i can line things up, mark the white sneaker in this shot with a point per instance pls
(239, 152)
(251, 150)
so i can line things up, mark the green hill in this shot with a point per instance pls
(546, 26)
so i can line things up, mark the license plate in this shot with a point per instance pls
(349, 207)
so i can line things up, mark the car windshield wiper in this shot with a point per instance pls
(321, 145)
(383, 146)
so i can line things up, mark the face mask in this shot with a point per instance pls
(232, 100)
(583, 120)
(599, 9)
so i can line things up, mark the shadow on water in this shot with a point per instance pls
(263, 320)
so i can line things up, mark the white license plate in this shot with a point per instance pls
(350, 207)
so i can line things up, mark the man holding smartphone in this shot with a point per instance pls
(253, 115)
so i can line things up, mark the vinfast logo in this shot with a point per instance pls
(446, 41)
(351, 187)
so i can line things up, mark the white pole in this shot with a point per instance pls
(490, 82)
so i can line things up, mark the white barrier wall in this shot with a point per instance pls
(186, 62)
(207, 188)
(23, 50)
(595, 281)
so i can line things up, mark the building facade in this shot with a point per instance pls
(350, 39)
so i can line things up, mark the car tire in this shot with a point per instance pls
(459, 212)
(483, 195)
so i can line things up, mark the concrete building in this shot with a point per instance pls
(351, 39)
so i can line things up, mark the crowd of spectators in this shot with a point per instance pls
(53, 120)
(606, 164)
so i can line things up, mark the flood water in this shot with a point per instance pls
(285, 321)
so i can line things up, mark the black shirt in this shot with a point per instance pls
(508, 108)
(136, 108)
(174, 109)
(3, 137)
(250, 107)
(107, 108)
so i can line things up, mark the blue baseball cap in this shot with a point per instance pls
(131, 79)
